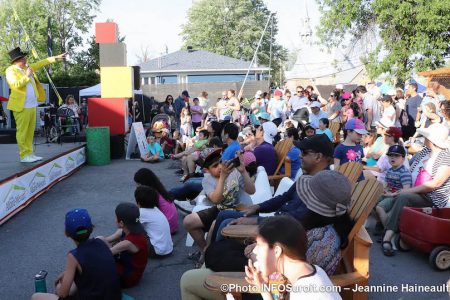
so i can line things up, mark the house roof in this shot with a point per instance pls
(196, 61)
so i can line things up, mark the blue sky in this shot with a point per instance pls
(153, 24)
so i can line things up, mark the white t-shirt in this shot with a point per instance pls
(158, 230)
(389, 116)
(310, 287)
(30, 97)
(222, 108)
(370, 102)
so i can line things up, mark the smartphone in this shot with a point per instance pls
(235, 162)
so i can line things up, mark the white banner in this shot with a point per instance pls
(19, 190)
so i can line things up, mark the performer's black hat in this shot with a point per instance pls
(16, 54)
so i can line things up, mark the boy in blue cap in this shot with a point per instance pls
(90, 268)
(398, 177)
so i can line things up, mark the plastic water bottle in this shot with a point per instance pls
(40, 285)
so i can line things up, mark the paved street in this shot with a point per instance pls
(34, 239)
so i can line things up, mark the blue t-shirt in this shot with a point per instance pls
(327, 132)
(396, 179)
(155, 147)
(412, 104)
(349, 153)
(230, 151)
(296, 161)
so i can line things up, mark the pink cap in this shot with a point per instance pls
(248, 157)
(278, 93)
(356, 125)
(346, 95)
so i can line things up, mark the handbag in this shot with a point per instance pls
(422, 177)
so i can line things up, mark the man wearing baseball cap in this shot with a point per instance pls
(316, 114)
(317, 155)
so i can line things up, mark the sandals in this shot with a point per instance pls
(200, 261)
(387, 251)
(194, 255)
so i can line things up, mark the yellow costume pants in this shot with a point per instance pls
(25, 125)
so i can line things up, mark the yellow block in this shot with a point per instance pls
(116, 82)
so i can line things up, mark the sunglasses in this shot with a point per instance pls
(306, 152)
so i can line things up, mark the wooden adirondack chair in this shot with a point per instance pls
(355, 257)
(352, 170)
(281, 148)
(334, 127)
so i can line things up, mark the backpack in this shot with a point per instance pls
(405, 119)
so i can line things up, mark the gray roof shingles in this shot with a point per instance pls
(195, 60)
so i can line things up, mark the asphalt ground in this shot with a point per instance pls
(34, 239)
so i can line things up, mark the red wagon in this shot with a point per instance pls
(427, 230)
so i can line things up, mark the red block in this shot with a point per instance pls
(106, 32)
(112, 112)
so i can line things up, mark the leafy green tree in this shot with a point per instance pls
(233, 28)
(33, 18)
(70, 19)
(413, 34)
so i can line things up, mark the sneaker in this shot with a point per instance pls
(28, 159)
(184, 206)
(36, 157)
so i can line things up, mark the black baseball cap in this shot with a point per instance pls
(396, 149)
(319, 143)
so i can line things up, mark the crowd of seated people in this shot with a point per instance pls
(222, 149)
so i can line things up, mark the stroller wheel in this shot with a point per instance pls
(440, 258)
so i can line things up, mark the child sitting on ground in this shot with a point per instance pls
(129, 244)
(155, 152)
(397, 179)
(324, 125)
(154, 222)
(90, 269)
(146, 177)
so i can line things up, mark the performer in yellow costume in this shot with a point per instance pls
(26, 92)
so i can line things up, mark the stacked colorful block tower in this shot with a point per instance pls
(116, 82)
